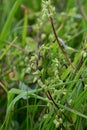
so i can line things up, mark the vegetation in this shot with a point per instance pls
(43, 65)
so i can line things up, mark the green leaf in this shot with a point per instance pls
(7, 25)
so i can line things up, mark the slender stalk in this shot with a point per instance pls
(63, 51)
(56, 105)
(7, 49)
(37, 52)
(48, 94)
(3, 86)
(82, 10)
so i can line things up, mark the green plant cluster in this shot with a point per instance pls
(43, 65)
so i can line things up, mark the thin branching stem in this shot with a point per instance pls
(48, 94)
(63, 51)
(56, 105)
